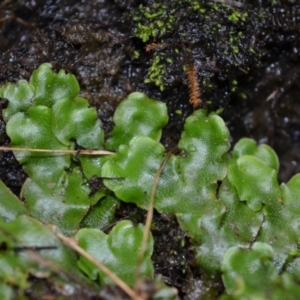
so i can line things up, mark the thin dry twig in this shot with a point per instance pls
(272, 95)
(17, 19)
(78, 152)
(231, 3)
(41, 261)
(149, 217)
(72, 243)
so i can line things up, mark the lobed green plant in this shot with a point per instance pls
(242, 223)
(261, 280)
(47, 113)
(28, 248)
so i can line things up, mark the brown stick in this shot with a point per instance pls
(72, 243)
(17, 19)
(231, 3)
(149, 217)
(80, 152)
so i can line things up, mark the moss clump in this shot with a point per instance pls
(153, 21)
(221, 39)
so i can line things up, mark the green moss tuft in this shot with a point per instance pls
(220, 36)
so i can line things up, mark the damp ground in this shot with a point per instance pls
(93, 41)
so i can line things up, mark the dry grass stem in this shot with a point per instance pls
(231, 3)
(41, 261)
(17, 19)
(78, 152)
(149, 216)
(72, 243)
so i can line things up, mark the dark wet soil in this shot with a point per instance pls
(93, 40)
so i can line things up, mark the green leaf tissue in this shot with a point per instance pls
(242, 223)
